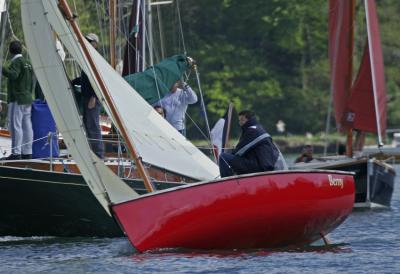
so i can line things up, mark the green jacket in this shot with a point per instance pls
(19, 74)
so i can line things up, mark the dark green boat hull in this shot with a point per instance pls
(43, 203)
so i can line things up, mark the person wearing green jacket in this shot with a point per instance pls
(19, 98)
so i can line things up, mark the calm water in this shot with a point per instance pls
(368, 242)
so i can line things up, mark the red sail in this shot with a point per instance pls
(340, 54)
(369, 92)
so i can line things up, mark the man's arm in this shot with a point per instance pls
(189, 96)
(13, 71)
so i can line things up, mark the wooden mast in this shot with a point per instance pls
(113, 11)
(352, 4)
(63, 5)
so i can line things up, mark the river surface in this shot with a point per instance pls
(368, 242)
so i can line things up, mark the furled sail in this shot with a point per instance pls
(155, 140)
(366, 109)
(156, 81)
(50, 73)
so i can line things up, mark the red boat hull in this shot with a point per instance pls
(253, 211)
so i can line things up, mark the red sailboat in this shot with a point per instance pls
(360, 104)
(271, 209)
(275, 209)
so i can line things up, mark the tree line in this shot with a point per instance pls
(268, 56)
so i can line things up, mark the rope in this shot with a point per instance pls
(101, 22)
(203, 104)
(180, 27)
(186, 76)
(28, 143)
(9, 22)
(201, 131)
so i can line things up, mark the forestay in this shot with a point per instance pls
(155, 140)
(50, 72)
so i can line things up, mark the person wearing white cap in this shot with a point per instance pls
(92, 108)
(92, 38)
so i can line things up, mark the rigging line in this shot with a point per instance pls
(75, 6)
(196, 72)
(145, 29)
(101, 28)
(203, 104)
(180, 27)
(9, 22)
(125, 36)
(120, 24)
(195, 124)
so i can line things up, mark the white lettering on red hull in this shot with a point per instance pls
(335, 181)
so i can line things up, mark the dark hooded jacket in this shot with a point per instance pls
(260, 157)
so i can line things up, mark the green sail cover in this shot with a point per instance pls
(153, 83)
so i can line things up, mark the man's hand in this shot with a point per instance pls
(183, 84)
(191, 62)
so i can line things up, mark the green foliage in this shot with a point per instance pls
(269, 56)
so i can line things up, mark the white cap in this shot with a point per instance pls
(91, 37)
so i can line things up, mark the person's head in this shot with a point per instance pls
(93, 39)
(308, 150)
(175, 86)
(15, 47)
(245, 115)
(160, 110)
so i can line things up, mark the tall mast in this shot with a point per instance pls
(144, 34)
(352, 6)
(113, 11)
(70, 18)
(150, 32)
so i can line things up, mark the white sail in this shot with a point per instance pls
(49, 70)
(3, 7)
(155, 140)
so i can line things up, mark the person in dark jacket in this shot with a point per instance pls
(306, 156)
(255, 151)
(92, 108)
(19, 97)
